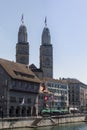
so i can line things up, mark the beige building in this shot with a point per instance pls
(77, 93)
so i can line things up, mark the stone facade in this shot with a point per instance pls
(46, 54)
(34, 122)
(77, 93)
(19, 88)
(22, 47)
(46, 60)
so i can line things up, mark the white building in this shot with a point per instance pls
(60, 93)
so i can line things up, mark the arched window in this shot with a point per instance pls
(11, 111)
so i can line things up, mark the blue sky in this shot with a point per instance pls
(67, 22)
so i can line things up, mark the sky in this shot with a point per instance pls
(67, 22)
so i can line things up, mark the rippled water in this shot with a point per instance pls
(75, 126)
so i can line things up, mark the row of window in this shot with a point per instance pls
(62, 98)
(56, 85)
(25, 86)
(21, 100)
(57, 91)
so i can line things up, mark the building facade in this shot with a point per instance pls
(77, 93)
(19, 88)
(20, 82)
(59, 90)
(44, 96)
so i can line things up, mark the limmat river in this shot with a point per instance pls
(72, 126)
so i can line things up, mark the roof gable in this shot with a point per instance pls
(18, 71)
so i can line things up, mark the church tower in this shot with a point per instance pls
(46, 53)
(22, 47)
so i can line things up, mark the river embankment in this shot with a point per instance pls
(20, 122)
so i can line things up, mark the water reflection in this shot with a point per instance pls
(75, 126)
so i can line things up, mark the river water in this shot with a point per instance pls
(75, 126)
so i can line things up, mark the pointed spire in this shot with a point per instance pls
(45, 21)
(22, 19)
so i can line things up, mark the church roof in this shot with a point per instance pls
(22, 34)
(46, 39)
(34, 68)
(23, 28)
(18, 71)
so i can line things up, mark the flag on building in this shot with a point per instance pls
(22, 103)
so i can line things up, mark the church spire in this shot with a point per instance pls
(22, 34)
(45, 21)
(46, 38)
(46, 52)
(22, 19)
(22, 47)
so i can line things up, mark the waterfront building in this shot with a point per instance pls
(19, 88)
(59, 90)
(77, 93)
(21, 83)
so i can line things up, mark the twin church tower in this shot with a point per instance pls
(46, 51)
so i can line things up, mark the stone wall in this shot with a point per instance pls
(39, 121)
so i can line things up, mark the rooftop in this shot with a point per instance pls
(18, 71)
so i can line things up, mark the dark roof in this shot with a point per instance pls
(19, 71)
(34, 68)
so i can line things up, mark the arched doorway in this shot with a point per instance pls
(29, 111)
(18, 111)
(11, 111)
(34, 111)
(23, 112)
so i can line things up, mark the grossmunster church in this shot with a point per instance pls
(26, 89)
(20, 82)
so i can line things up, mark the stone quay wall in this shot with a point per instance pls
(40, 121)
